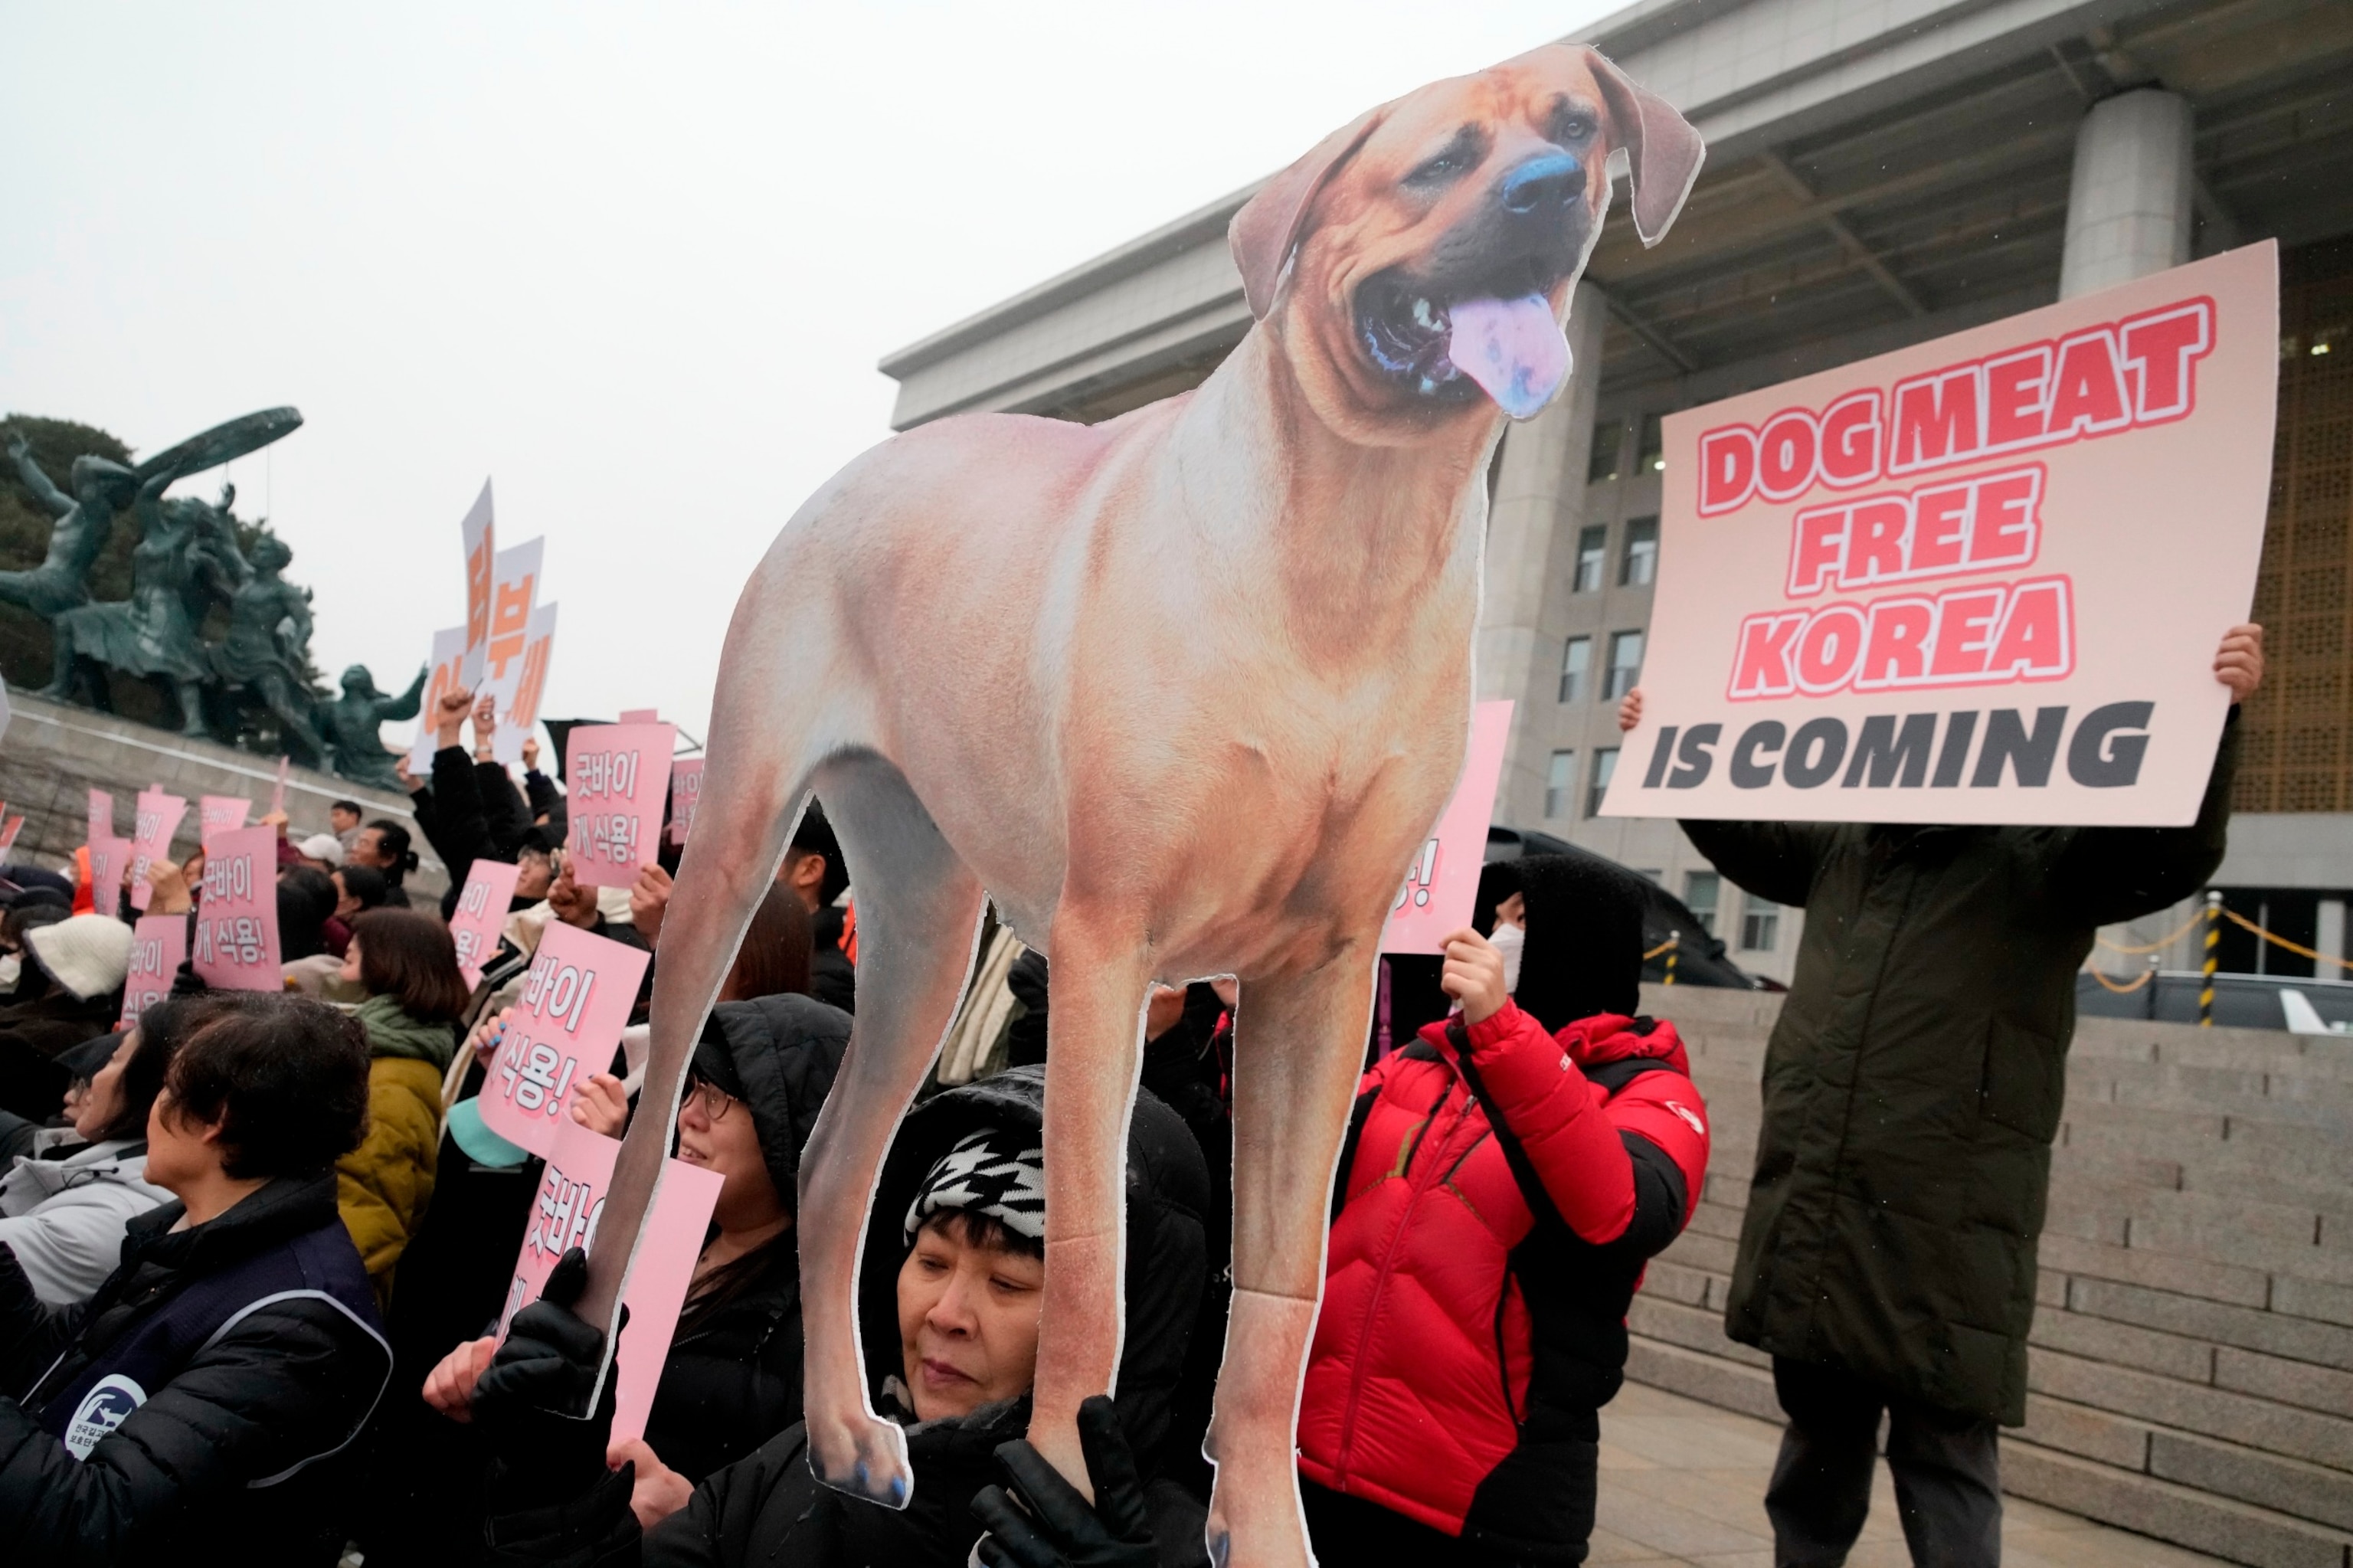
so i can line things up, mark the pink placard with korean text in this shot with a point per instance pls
(640, 715)
(685, 794)
(220, 814)
(616, 776)
(157, 945)
(480, 914)
(236, 943)
(109, 860)
(102, 815)
(278, 791)
(1443, 882)
(157, 819)
(566, 1025)
(571, 1198)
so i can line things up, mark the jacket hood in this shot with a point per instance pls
(393, 1033)
(779, 1055)
(1583, 950)
(117, 1161)
(1167, 1252)
(1613, 1037)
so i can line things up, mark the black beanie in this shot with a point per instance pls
(1583, 955)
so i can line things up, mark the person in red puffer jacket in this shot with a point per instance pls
(1506, 1178)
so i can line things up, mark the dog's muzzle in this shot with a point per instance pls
(1477, 317)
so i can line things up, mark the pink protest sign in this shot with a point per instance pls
(109, 862)
(480, 913)
(564, 1215)
(685, 792)
(616, 776)
(157, 945)
(565, 1026)
(1981, 580)
(102, 816)
(236, 944)
(220, 813)
(158, 818)
(640, 715)
(278, 793)
(1443, 881)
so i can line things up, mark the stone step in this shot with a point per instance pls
(2274, 1333)
(2269, 1236)
(2192, 1139)
(2249, 1420)
(2183, 1515)
(2200, 1499)
(1692, 1327)
(2223, 1172)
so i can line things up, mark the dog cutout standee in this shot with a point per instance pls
(1046, 663)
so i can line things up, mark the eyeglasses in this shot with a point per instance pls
(715, 1101)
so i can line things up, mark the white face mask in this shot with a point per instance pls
(1509, 940)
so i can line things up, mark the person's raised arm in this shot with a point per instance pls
(2108, 875)
(1772, 860)
(57, 502)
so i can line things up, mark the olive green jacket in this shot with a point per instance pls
(1913, 1083)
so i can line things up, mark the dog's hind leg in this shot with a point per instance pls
(1299, 1043)
(918, 919)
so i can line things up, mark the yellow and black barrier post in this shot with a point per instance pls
(1674, 945)
(2213, 960)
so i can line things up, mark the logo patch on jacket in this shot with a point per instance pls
(105, 1407)
(1690, 1116)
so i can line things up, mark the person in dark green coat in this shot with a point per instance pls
(1912, 1089)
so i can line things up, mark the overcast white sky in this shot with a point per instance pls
(635, 262)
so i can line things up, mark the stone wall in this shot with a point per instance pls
(51, 756)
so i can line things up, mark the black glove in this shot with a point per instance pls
(1043, 1522)
(528, 1402)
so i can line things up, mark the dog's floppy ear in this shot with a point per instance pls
(1662, 150)
(1269, 224)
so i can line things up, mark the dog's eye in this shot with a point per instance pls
(1460, 157)
(1437, 171)
(1573, 128)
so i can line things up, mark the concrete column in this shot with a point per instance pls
(2331, 940)
(1532, 522)
(2129, 201)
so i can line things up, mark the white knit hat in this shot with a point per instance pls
(89, 954)
(323, 846)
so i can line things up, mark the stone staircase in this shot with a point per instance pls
(2192, 1368)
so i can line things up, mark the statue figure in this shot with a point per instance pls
(84, 521)
(352, 721)
(268, 641)
(152, 632)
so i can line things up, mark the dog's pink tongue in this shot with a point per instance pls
(1512, 348)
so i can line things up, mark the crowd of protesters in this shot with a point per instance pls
(253, 1247)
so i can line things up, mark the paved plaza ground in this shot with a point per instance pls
(1683, 1483)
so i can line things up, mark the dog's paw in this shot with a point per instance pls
(861, 1456)
(1258, 1524)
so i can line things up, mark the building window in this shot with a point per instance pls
(1608, 442)
(1576, 660)
(1560, 783)
(1760, 924)
(1651, 451)
(1625, 664)
(1638, 563)
(1605, 763)
(1592, 546)
(1703, 891)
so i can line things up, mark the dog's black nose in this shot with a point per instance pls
(1546, 181)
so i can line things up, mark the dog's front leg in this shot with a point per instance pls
(1299, 1049)
(1094, 1027)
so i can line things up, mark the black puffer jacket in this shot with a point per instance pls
(733, 1378)
(233, 1448)
(769, 1510)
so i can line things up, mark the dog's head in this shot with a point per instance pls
(1418, 261)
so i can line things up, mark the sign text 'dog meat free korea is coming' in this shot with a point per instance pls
(1977, 580)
